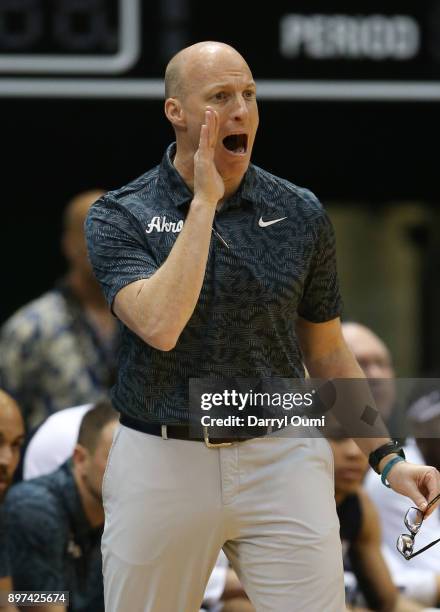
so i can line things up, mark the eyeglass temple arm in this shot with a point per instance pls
(432, 502)
(423, 549)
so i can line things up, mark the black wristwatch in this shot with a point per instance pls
(386, 449)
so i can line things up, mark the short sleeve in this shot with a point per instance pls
(321, 300)
(35, 544)
(118, 250)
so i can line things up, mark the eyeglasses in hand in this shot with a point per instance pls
(413, 521)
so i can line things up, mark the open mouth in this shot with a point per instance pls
(236, 143)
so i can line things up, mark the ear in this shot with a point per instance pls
(175, 113)
(80, 457)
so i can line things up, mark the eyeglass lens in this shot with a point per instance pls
(413, 520)
(405, 544)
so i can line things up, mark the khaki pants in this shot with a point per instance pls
(170, 505)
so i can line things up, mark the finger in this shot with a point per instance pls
(203, 141)
(205, 132)
(212, 121)
(418, 499)
(216, 128)
(432, 483)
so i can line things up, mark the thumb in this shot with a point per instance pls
(419, 500)
(410, 480)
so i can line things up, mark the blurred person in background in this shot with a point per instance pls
(375, 360)
(60, 349)
(11, 440)
(54, 523)
(419, 578)
(54, 442)
(361, 532)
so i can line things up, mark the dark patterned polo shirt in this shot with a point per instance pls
(52, 546)
(271, 258)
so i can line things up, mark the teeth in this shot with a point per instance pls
(241, 150)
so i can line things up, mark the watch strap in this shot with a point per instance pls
(393, 446)
(387, 469)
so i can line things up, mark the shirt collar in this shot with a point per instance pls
(180, 193)
(171, 180)
(248, 187)
(245, 191)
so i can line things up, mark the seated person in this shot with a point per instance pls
(54, 442)
(419, 578)
(11, 440)
(376, 362)
(60, 349)
(360, 530)
(54, 523)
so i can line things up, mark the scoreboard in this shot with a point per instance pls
(296, 49)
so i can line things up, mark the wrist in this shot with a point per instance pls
(204, 203)
(376, 458)
(389, 465)
(385, 460)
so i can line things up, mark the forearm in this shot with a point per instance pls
(327, 357)
(165, 302)
(339, 362)
(337, 366)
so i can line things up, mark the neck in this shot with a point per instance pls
(231, 187)
(93, 508)
(184, 165)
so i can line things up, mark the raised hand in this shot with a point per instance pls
(208, 184)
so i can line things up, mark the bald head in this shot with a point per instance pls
(366, 346)
(11, 440)
(374, 358)
(194, 61)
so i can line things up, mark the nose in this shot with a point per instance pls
(352, 450)
(240, 109)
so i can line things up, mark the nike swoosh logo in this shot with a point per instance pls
(262, 223)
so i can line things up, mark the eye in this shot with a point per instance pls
(249, 94)
(220, 95)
